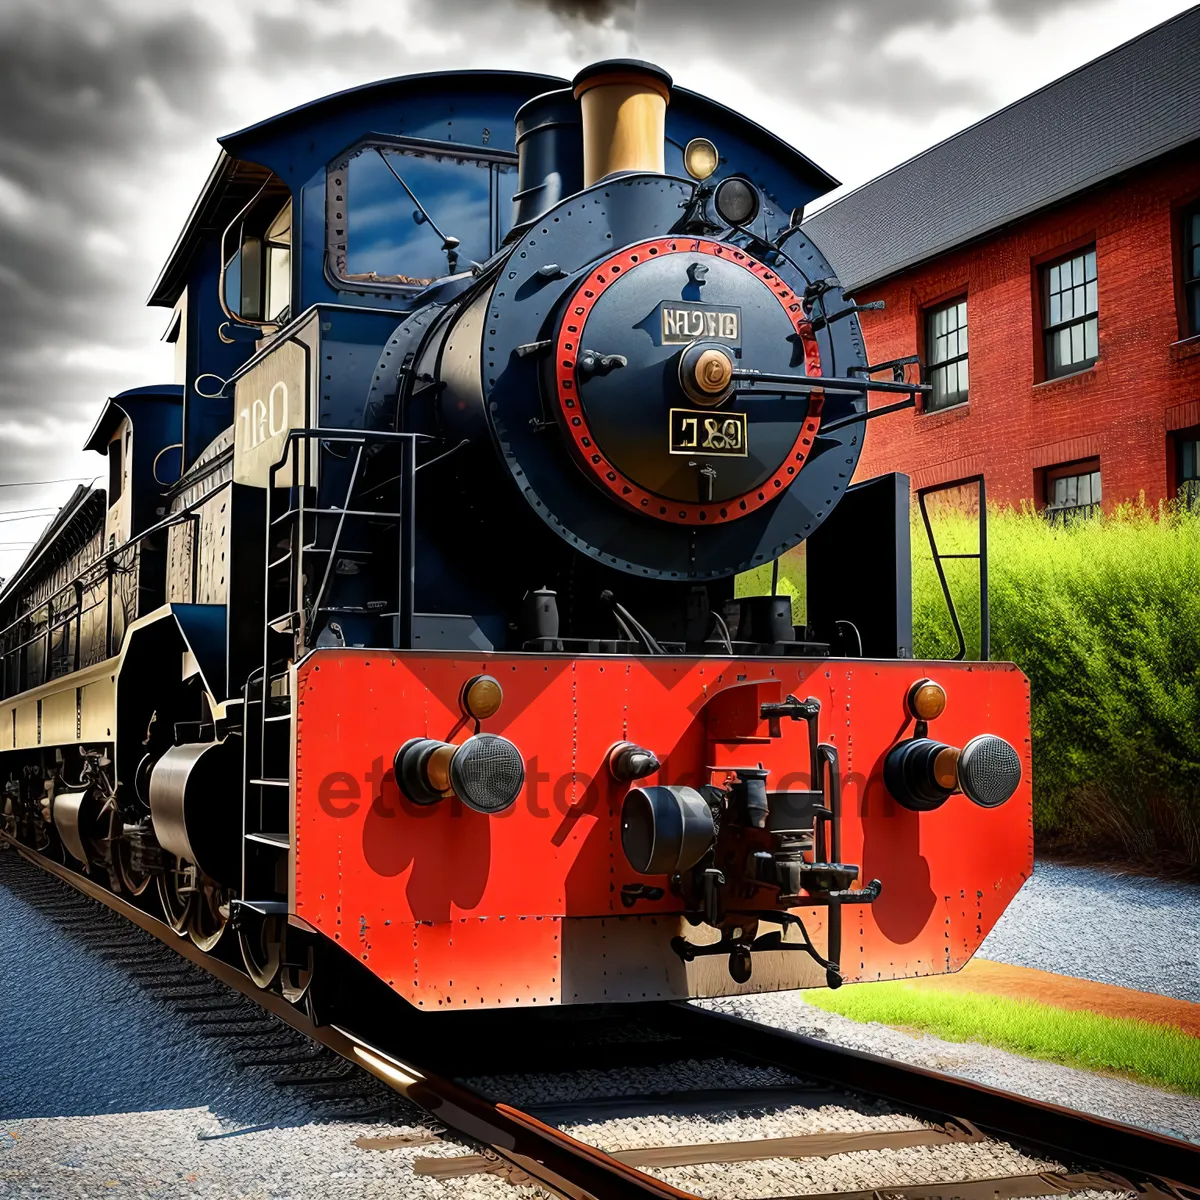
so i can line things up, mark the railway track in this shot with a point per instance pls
(640, 1085)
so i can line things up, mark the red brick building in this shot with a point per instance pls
(1045, 265)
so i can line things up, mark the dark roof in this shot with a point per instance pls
(1130, 105)
(119, 406)
(395, 87)
(230, 185)
(84, 510)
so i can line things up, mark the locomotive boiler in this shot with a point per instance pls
(408, 628)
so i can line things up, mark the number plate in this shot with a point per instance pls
(682, 323)
(707, 433)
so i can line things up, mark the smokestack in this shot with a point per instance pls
(549, 154)
(624, 104)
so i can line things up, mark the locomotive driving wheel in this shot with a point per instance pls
(175, 895)
(209, 915)
(260, 939)
(116, 853)
(277, 956)
(133, 881)
(295, 978)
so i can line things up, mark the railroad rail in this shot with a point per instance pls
(523, 1144)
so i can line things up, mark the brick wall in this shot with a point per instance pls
(1145, 384)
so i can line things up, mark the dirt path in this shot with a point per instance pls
(1064, 991)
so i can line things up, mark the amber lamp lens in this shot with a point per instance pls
(927, 700)
(945, 767)
(700, 158)
(482, 697)
(437, 769)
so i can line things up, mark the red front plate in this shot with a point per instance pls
(452, 908)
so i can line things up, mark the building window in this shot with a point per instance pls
(1069, 308)
(1187, 467)
(946, 350)
(1073, 490)
(1191, 269)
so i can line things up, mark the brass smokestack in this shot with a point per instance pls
(624, 104)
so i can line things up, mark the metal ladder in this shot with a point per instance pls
(314, 531)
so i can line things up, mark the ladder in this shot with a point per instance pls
(309, 535)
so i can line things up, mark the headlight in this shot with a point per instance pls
(736, 200)
(665, 830)
(486, 772)
(700, 158)
(989, 770)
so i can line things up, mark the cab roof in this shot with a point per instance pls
(125, 404)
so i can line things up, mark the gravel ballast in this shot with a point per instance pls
(1129, 930)
(108, 1090)
(130, 1156)
(1117, 1099)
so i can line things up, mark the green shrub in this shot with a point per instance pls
(792, 581)
(1103, 616)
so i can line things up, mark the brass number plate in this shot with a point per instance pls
(707, 433)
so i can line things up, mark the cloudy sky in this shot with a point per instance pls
(109, 110)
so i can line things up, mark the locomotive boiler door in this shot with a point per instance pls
(644, 380)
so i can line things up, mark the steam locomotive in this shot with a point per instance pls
(407, 629)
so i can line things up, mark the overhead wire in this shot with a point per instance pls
(47, 482)
(33, 517)
(40, 509)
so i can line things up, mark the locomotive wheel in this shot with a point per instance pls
(210, 914)
(295, 982)
(133, 883)
(261, 943)
(118, 853)
(176, 905)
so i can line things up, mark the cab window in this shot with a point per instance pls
(403, 215)
(277, 297)
(258, 274)
(116, 472)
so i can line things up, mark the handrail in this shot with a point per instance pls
(350, 435)
(52, 596)
(407, 479)
(67, 619)
(174, 518)
(100, 569)
(985, 620)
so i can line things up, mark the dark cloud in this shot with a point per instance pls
(293, 42)
(828, 54)
(831, 56)
(583, 10)
(91, 99)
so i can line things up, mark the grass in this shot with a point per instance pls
(1103, 615)
(1155, 1054)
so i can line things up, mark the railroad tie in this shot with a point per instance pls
(808, 1145)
